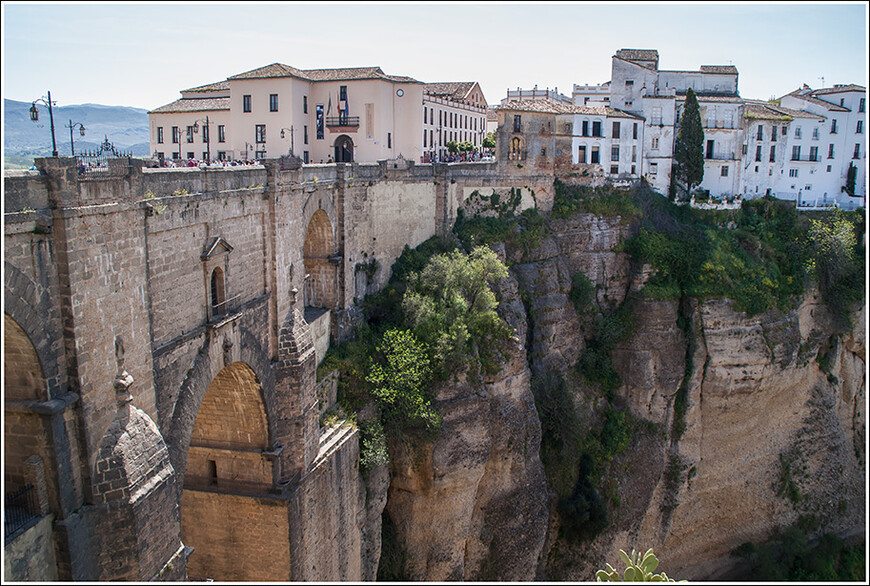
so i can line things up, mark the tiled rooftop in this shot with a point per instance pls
(193, 105)
(341, 74)
(808, 97)
(767, 111)
(839, 89)
(729, 69)
(456, 90)
(638, 54)
(211, 87)
(554, 107)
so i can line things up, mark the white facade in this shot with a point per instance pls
(520, 95)
(452, 111)
(591, 95)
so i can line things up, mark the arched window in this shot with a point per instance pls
(516, 153)
(218, 292)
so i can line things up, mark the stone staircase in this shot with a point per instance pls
(331, 438)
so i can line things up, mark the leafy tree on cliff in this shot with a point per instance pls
(689, 146)
(451, 309)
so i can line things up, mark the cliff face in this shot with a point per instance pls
(774, 426)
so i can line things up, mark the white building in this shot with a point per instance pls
(452, 111)
(840, 143)
(521, 95)
(591, 95)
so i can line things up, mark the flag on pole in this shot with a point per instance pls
(329, 107)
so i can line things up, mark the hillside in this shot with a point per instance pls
(125, 127)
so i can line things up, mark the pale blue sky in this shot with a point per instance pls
(142, 54)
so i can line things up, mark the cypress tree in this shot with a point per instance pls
(689, 146)
(850, 179)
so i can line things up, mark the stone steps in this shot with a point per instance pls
(331, 438)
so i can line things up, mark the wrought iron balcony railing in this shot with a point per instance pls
(342, 120)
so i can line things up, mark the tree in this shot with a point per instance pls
(452, 146)
(689, 146)
(850, 179)
(489, 141)
(452, 310)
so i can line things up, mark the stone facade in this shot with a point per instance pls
(160, 366)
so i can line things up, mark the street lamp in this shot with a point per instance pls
(34, 116)
(81, 132)
(207, 135)
(291, 137)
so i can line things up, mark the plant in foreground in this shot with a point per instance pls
(637, 569)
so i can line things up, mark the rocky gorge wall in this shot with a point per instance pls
(774, 405)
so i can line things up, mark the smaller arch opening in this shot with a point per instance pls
(218, 292)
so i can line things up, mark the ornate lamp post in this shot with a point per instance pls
(207, 134)
(71, 126)
(291, 137)
(34, 116)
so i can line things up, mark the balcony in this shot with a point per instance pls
(805, 159)
(332, 121)
(720, 156)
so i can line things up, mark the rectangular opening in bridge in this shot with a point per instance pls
(212, 472)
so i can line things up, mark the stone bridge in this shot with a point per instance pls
(162, 329)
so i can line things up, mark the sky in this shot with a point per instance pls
(142, 54)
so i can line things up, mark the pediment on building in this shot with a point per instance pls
(217, 247)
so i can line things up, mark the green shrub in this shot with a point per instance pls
(605, 201)
(582, 293)
(372, 445)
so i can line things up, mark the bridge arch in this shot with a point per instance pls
(319, 248)
(230, 466)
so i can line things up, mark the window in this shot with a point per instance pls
(772, 154)
(653, 168)
(517, 122)
(543, 152)
(629, 82)
(585, 131)
(614, 152)
(758, 152)
(760, 135)
(860, 128)
(273, 102)
(614, 169)
(634, 153)
(655, 142)
(161, 155)
(222, 133)
(861, 105)
(260, 133)
(724, 172)
(833, 126)
(745, 149)
(190, 134)
(814, 153)
(634, 132)
(797, 131)
(305, 157)
(796, 153)
(581, 154)
(773, 133)
(189, 154)
(159, 135)
(792, 173)
(389, 140)
(594, 156)
(615, 130)
(218, 292)
(596, 128)
(246, 103)
(830, 151)
(204, 133)
(829, 169)
(342, 93)
(842, 101)
(634, 170)
(857, 153)
(260, 155)
(656, 115)
(710, 146)
(305, 134)
(305, 106)
(628, 104)
(425, 116)
(319, 121)
(815, 134)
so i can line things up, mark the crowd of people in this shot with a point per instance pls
(171, 163)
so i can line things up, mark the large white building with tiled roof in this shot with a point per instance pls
(452, 111)
(350, 114)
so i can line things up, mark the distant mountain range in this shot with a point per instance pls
(126, 128)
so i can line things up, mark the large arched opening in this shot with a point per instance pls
(319, 247)
(229, 515)
(27, 447)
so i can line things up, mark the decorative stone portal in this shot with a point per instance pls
(319, 248)
(230, 514)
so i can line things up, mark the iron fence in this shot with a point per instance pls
(20, 509)
(97, 160)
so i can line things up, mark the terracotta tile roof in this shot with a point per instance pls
(839, 89)
(211, 87)
(729, 69)
(451, 89)
(553, 107)
(808, 97)
(730, 98)
(273, 70)
(766, 111)
(491, 114)
(193, 105)
(638, 54)
(341, 74)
